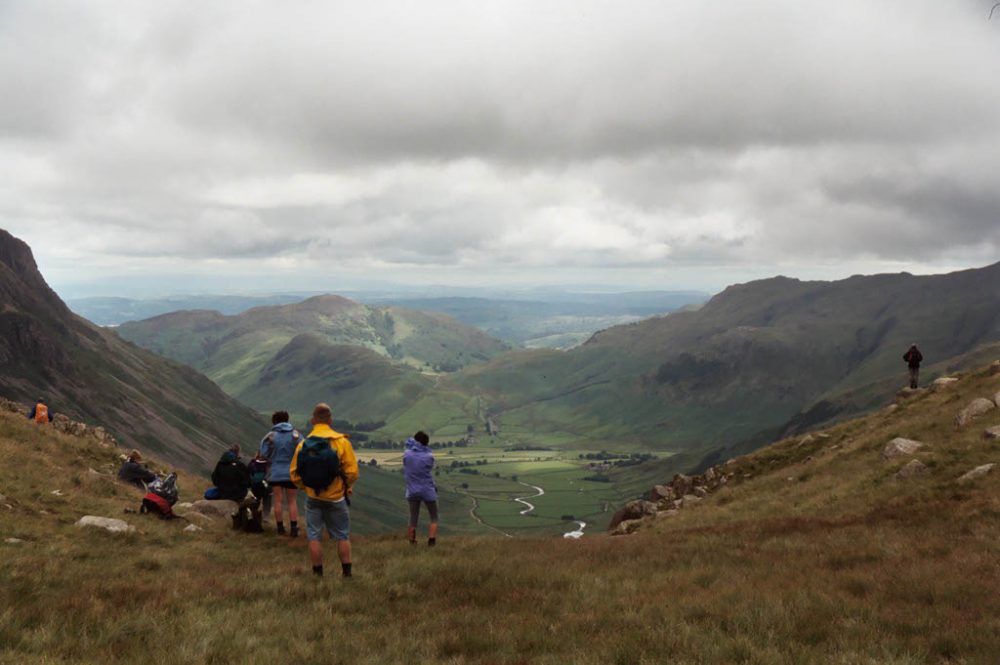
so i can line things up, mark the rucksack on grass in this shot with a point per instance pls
(165, 488)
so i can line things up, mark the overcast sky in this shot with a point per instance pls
(166, 146)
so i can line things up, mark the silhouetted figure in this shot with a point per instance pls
(231, 477)
(913, 358)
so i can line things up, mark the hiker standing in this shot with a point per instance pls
(913, 358)
(134, 472)
(40, 413)
(279, 447)
(324, 465)
(231, 477)
(418, 469)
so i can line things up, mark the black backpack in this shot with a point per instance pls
(258, 477)
(318, 464)
(165, 488)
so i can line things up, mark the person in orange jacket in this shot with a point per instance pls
(324, 466)
(40, 413)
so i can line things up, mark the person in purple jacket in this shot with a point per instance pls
(418, 469)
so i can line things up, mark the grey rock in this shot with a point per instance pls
(976, 473)
(13, 541)
(990, 433)
(682, 484)
(995, 367)
(106, 523)
(976, 408)
(689, 500)
(900, 446)
(626, 527)
(183, 505)
(217, 508)
(700, 492)
(192, 528)
(943, 382)
(911, 469)
(709, 474)
(661, 492)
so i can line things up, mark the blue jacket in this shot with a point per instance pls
(418, 469)
(279, 447)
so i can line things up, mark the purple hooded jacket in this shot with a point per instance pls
(418, 469)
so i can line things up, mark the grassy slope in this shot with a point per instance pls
(841, 564)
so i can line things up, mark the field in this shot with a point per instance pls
(493, 476)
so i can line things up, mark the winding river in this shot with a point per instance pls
(528, 507)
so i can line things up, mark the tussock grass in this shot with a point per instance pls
(842, 565)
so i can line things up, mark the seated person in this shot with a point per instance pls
(134, 473)
(231, 477)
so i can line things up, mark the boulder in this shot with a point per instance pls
(661, 492)
(689, 500)
(13, 541)
(990, 433)
(709, 474)
(183, 505)
(215, 508)
(900, 446)
(996, 399)
(911, 469)
(198, 517)
(976, 473)
(626, 527)
(633, 510)
(700, 492)
(976, 408)
(192, 528)
(682, 484)
(106, 523)
(943, 382)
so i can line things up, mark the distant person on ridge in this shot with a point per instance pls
(325, 467)
(231, 477)
(134, 472)
(279, 447)
(40, 413)
(418, 469)
(913, 358)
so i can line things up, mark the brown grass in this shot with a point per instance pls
(842, 564)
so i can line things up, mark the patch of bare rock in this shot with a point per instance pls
(900, 446)
(976, 408)
(943, 382)
(976, 473)
(912, 469)
(109, 524)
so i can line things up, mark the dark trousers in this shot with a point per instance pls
(432, 508)
(914, 376)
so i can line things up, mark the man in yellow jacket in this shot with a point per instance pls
(324, 466)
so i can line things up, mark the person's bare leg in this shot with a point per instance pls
(279, 495)
(293, 505)
(344, 552)
(316, 552)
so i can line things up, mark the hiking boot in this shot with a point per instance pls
(294, 533)
(281, 529)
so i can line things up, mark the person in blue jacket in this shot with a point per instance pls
(418, 469)
(279, 447)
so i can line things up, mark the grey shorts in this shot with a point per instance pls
(334, 515)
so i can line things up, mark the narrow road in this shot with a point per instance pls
(578, 533)
(472, 511)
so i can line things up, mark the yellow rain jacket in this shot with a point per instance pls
(348, 463)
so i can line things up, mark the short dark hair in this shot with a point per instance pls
(279, 417)
(422, 437)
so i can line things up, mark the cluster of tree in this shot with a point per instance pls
(457, 464)
(619, 459)
(598, 478)
(518, 448)
(389, 444)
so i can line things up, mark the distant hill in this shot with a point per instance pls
(560, 320)
(113, 311)
(751, 360)
(370, 361)
(91, 374)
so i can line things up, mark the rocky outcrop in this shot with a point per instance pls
(65, 425)
(109, 524)
(976, 408)
(900, 446)
(665, 500)
(911, 469)
(976, 473)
